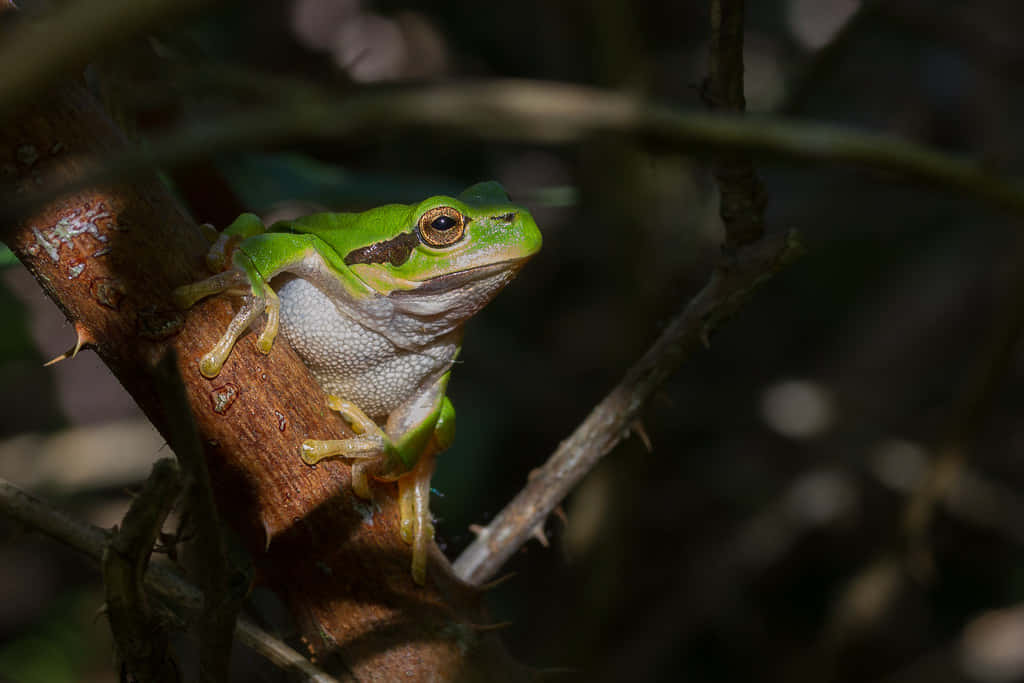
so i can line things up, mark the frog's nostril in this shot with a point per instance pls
(506, 217)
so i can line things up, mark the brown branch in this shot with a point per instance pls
(141, 637)
(742, 196)
(731, 284)
(172, 591)
(109, 257)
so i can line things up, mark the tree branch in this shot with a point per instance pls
(110, 256)
(731, 284)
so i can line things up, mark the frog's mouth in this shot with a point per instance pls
(466, 278)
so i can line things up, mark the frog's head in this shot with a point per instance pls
(450, 255)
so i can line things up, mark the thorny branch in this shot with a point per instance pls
(731, 284)
(93, 254)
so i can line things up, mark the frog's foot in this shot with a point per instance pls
(417, 525)
(257, 298)
(272, 307)
(252, 306)
(368, 451)
(369, 445)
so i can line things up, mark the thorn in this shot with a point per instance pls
(638, 428)
(83, 339)
(476, 529)
(267, 532)
(538, 533)
(560, 513)
(491, 585)
(491, 627)
(705, 336)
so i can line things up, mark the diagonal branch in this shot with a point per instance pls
(730, 286)
(110, 256)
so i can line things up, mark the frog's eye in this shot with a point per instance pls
(442, 226)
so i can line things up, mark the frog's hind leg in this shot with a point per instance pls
(417, 522)
(368, 446)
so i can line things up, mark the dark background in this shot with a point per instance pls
(763, 536)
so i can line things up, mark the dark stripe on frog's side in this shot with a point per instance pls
(396, 250)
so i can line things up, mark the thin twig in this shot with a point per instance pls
(729, 287)
(287, 659)
(164, 581)
(553, 113)
(742, 195)
(141, 637)
(223, 595)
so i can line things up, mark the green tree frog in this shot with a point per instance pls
(374, 304)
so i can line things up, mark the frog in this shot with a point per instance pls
(374, 303)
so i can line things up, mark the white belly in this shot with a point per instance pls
(350, 361)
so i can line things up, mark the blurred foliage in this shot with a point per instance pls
(740, 547)
(63, 646)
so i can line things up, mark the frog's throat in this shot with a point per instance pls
(436, 308)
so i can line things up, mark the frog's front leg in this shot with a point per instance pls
(254, 262)
(259, 299)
